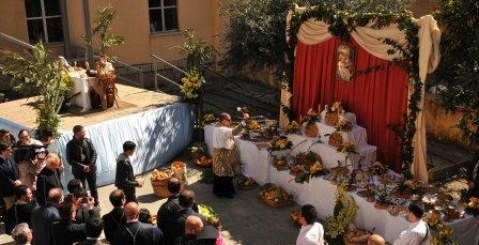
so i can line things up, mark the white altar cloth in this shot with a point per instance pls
(321, 193)
(82, 86)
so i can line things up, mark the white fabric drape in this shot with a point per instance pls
(314, 31)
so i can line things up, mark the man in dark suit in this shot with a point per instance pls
(125, 177)
(9, 177)
(135, 232)
(175, 228)
(48, 178)
(116, 219)
(66, 230)
(81, 155)
(169, 209)
(44, 216)
(93, 228)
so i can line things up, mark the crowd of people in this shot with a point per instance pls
(39, 212)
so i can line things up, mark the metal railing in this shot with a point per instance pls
(157, 61)
(15, 41)
(122, 65)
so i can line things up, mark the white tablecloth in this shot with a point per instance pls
(82, 86)
(321, 193)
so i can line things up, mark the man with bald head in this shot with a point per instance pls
(48, 178)
(193, 225)
(44, 216)
(196, 233)
(135, 232)
(376, 239)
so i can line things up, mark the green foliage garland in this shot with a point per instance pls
(341, 24)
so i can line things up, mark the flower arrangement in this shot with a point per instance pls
(292, 127)
(318, 169)
(344, 213)
(206, 211)
(473, 206)
(347, 147)
(274, 196)
(191, 85)
(336, 107)
(246, 183)
(197, 149)
(311, 116)
(344, 126)
(209, 118)
(281, 143)
(254, 126)
(409, 185)
(440, 233)
(378, 168)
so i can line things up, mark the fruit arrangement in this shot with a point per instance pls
(274, 196)
(311, 117)
(296, 217)
(317, 169)
(254, 126)
(178, 165)
(204, 162)
(311, 130)
(335, 139)
(356, 237)
(280, 144)
(473, 206)
(246, 183)
(346, 147)
(160, 175)
(292, 127)
(337, 174)
(378, 168)
(280, 163)
(344, 126)
(295, 170)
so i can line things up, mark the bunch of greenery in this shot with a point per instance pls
(344, 213)
(198, 52)
(37, 74)
(459, 67)
(105, 39)
(257, 28)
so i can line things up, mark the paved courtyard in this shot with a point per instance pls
(246, 220)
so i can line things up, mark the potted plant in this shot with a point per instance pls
(36, 74)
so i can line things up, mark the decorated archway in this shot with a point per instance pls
(390, 57)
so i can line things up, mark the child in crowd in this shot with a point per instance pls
(215, 221)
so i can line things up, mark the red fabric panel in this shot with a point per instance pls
(378, 98)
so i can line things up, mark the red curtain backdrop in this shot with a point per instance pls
(378, 98)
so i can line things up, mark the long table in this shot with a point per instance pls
(257, 163)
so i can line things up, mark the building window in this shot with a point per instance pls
(163, 15)
(44, 21)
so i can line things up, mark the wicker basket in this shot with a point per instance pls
(336, 139)
(356, 237)
(331, 118)
(273, 204)
(311, 130)
(160, 188)
(202, 165)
